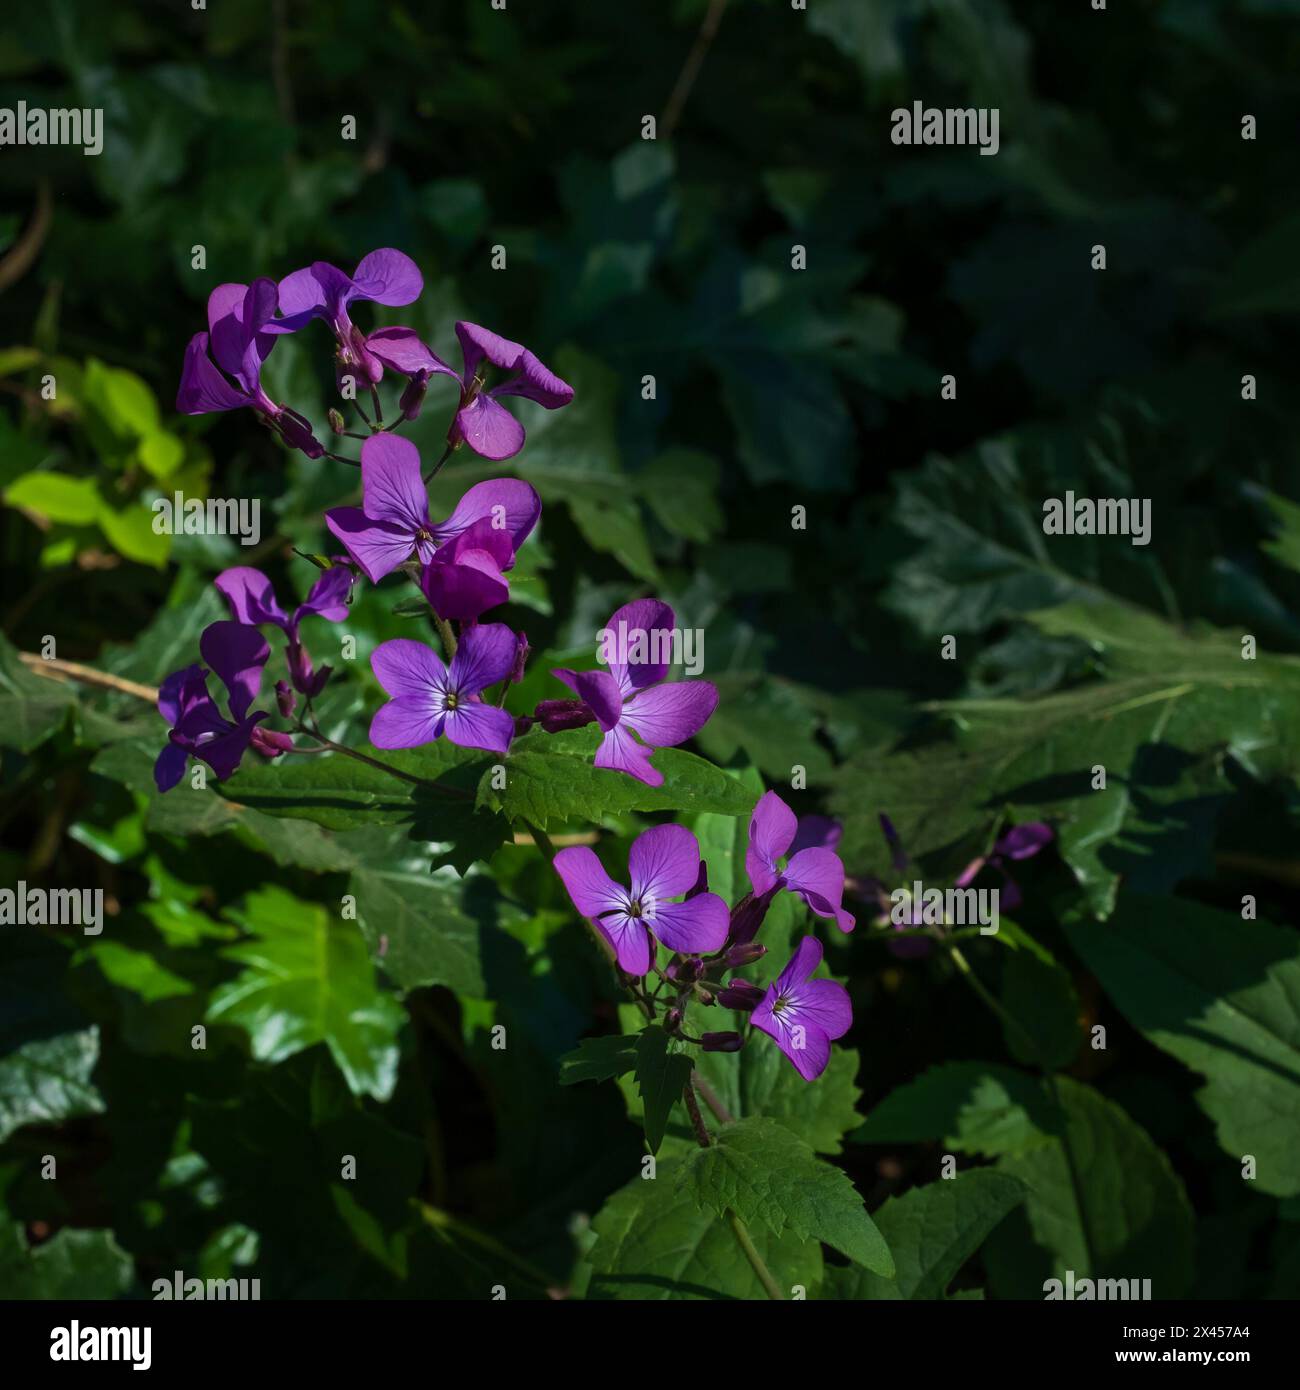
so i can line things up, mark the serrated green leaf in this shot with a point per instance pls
(599, 1059)
(661, 1076)
(47, 1080)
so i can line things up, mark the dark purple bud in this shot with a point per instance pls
(898, 856)
(557, 715)
(413, 396)
(309, 681)
(269, 743)
(1023, 841)
(285, 698)
(722, 1042)
(685, 970)
(740, 994)
(296, 433)
(743, 955)
(701, 883)
(521, 657)
(673, 1019)
(523, 722)
(336, 420)
(747, 916)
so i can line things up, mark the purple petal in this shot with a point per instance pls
(816, 832)
(404, 666)
(181, 691)
(250, 595)
(476, 725)
(224, 753)
(600, 692)
(588, 885)
(817, 875)
(696, 927)
(328, 596)
(302, 295)
(378, 547)
(824, 1004)
(203, 389)
(169, 767)
(407, 721)
(664, 862)
(645, 616)
(388, 277)
(237, 654)
(536, 382)
(466, 584)
(1023, 841)
(405, 351)
(486, 655)
(620, 751)
(477, 343)
(506, 503)
(807, 957)
(631, 943)
(489, 428)
(391, 482)
(665, 715)
(771, 829)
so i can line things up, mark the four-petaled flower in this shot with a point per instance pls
(252, 600)
(393, 525)
(803, 1015)
(815, 873)
(664, 863)
(237, 654)
(1020, 842)
(632, 698)
(430, 699)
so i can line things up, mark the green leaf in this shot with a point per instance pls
(32, 707)
(48, 1080)
(55, 496)
(551, 777)
(973, 1107)
(1223, 996)
(655, 1242)
(661, 1076)
(73, 1264)
(1040, 996)
(765, 1173)
(307, 979)
(599, 1059)
(932, 1231)
(1103, 1201)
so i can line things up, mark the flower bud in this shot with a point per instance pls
(743, 955)
(413, 396)
(336, 420)
(557, 715)
(285, 698)
(722, 1042)
(296, 433)
(523, 722)
(747, 916)
(685, 970)
(673, 1019)
(740, 994)
(269, 743)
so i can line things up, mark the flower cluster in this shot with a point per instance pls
(667, 903)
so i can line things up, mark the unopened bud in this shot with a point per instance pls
(557, 715)
(722, 1042)
(270, 743)
(285, 698)
(336, 420)
(673, 1019)
(743, 955)
(686, 970)
(740, 994)
(747, 916)
(413, 396)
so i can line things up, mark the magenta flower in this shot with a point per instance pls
(481, 420)
(322, 291)
(237, 654)
(430, 700)
(815, 873)
(241, 333)
(803, 1015)
(252, 600)
(631, 700)
(1020, 842)
(664, 863)
(392, 525)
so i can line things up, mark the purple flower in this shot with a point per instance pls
(803, 1014)
(815, 874)
(237, 654)
(241, 333)
(252, 600)
(429, 699)
(393, 523)
(631, 698)
(664, 863)
(481, 420)
(1020, 842)
(322, 291)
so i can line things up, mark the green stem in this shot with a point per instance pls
(382, 766)
(437, 467)
(750, 1251)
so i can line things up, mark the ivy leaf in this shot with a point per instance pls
(307, 979)
(1073, 1218)
(47, 1080)
(599, 1059)
(653, 1241)
(932, 1231)
(661, 1076)
(1223, 996)
(766, 1174)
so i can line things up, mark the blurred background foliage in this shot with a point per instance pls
(775, 389)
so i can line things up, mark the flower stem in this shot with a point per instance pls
(750, 1251)
(437, 467)
(382, 766)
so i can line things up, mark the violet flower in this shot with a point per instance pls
(242, 329)
(803, 1015)
(393, 525)
(664, 863)
(321, 290)
(252, 600)
(1020, 842)
(237, 654)
(632, 699)
(430, 700)
(815, 873)
(481, 420)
